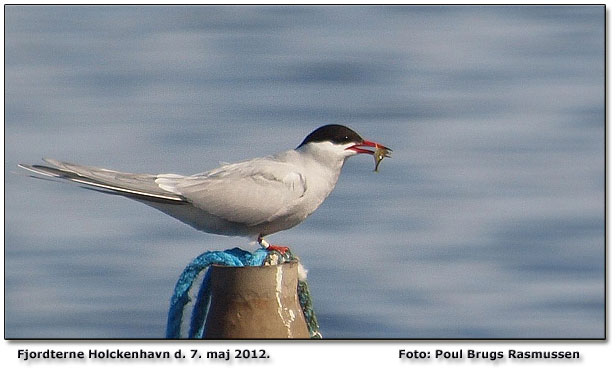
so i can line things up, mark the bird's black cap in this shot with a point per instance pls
(335, 133)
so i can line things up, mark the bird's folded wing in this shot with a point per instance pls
(128, 184)
(249, 193)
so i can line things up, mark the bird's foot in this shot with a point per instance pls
(280, 249)
(269, 247)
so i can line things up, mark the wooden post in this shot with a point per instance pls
(255, 302)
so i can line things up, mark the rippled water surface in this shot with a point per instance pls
(487, 222)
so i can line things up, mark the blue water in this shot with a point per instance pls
(488, 222)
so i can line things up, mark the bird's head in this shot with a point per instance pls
(338, 141)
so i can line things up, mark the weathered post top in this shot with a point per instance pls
(255, 302)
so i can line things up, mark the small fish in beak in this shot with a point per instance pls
(380, 153)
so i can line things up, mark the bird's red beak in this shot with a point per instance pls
(360, 150)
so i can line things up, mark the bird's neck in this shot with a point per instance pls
(320, 158)
(321, 169)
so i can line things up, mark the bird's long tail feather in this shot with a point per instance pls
(139, 186)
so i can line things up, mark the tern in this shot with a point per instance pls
(252, 198)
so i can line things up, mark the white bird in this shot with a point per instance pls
(252, 198)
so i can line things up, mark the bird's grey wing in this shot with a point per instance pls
(142, 186)
(249, 193)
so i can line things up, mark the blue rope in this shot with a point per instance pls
(233, 257)
(202, 306)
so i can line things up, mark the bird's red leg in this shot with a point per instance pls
(280, 249)
(266, 245)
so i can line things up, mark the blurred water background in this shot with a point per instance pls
(488, 222)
